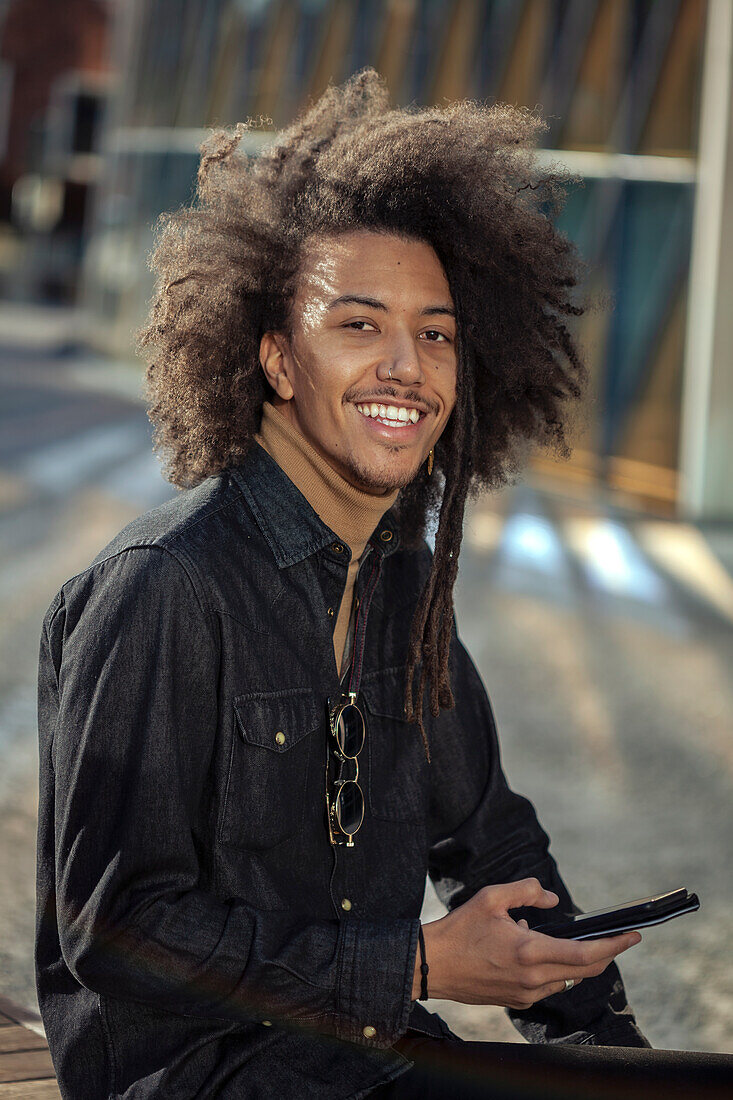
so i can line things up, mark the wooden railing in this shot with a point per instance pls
(26, 1070)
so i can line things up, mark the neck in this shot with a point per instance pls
(351, 513)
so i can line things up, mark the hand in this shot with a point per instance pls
(479, 955)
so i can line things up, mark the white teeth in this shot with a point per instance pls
(392, 414)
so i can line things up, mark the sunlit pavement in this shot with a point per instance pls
(605, 641)
(606, 646)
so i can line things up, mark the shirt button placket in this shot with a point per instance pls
(346, 872)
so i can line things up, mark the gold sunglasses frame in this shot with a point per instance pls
(332, 805)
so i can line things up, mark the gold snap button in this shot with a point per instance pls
(337, 548)
(386, 536)
(280, 737)
(330, 612)
(369, 1032)
(267, 1023)
(345, 904)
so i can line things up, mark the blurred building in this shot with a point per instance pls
(54, 82)
(637, 95)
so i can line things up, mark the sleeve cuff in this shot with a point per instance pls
(375, 975)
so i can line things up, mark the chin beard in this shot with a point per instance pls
(371, 481)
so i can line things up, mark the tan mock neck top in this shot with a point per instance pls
(350, 513)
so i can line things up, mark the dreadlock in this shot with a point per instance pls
(462, 178)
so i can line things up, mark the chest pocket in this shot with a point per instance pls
(398, 769)
(272, 752)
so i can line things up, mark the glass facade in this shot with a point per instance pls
(618, 82)
(614, 74)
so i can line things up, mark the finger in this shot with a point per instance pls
(556, 987)
(523, 924)
(527, 891)
(554, 974)
(587, 963)
(583, 953)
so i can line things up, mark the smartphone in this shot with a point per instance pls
(621, 918)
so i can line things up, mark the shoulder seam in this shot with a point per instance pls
(220, 507)
(146, 546)
(50, 615)
(48, 622)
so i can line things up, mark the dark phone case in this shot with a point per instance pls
(641, 913)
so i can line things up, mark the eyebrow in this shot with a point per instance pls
(374, 303)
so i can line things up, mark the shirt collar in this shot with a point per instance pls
(292, 528)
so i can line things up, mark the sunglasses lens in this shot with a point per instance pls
(350, 730)
(350, 807)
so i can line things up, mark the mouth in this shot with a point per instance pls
(391, 421)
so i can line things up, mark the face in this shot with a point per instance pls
(368, 373)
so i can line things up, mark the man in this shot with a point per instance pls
(236, 814)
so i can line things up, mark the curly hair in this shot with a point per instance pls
(462, 178)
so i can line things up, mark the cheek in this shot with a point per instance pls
(312, 375)
(348, 359)
(449, 392)
(333, 359)
(320, 392)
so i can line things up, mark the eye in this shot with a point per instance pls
(356, 325)
(432, 333)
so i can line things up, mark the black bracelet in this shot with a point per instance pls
(423, 968)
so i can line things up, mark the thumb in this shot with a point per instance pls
(527, 891)
(522, 924)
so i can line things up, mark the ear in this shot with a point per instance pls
(275, 362)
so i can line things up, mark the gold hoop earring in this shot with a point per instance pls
(430, 461)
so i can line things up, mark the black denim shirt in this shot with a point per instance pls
(197, 935)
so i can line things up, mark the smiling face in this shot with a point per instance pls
(368, 373)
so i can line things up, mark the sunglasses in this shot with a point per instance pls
(345, 798)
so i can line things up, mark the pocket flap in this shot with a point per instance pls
(277, 720)
(386, 695)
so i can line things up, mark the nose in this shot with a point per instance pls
(401, 362)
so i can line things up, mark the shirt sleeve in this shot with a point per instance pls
(130, 654)
(485, 834)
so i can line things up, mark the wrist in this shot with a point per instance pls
(434, 960)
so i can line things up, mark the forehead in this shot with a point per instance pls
(376, 265)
